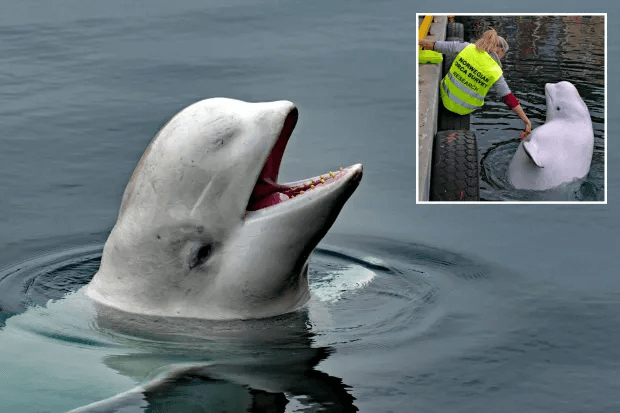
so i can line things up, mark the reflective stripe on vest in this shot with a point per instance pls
(470, 77)
(445, 91)
(465, 88)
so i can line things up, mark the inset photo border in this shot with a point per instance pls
(511, 108)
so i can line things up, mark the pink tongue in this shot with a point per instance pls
(266, 194)
(270, 200)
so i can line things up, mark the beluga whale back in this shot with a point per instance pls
(204, 228)
(560, 150)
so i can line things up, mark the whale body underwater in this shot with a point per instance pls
(561, 149)
(204, 228)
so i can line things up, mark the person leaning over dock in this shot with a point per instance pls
(476, 70)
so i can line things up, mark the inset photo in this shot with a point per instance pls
(511, 108)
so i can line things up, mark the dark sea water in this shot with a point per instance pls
(415, 308)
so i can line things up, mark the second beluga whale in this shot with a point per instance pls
(561, 149)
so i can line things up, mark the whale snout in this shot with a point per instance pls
(278, 109)
(285, 105)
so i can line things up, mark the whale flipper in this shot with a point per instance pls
(531, 150)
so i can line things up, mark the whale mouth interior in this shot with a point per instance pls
(268, 192)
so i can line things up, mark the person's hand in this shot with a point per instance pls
(426, 44)
(527, 131)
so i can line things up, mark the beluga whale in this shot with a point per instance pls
(205, 230)
(561, 149)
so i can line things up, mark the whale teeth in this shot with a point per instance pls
(313, 183)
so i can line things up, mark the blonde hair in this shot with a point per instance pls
(490, 41)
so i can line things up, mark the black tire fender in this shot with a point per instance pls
(455, 174)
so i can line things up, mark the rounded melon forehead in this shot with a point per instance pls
(563, 98)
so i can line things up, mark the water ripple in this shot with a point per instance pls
(373, 295)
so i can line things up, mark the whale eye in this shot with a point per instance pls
(558, 108)
(199, 254)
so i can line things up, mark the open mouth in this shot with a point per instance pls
(268, 192)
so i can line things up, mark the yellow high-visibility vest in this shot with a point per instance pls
(467, 83)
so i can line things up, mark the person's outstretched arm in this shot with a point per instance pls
(518, 110)
(426, 44)
(514, 105)
(528, 125)
(450, 47)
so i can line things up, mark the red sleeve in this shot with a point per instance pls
(511, 101)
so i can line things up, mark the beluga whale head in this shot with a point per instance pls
(206, 231)
(563, 102)
(561, 149)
